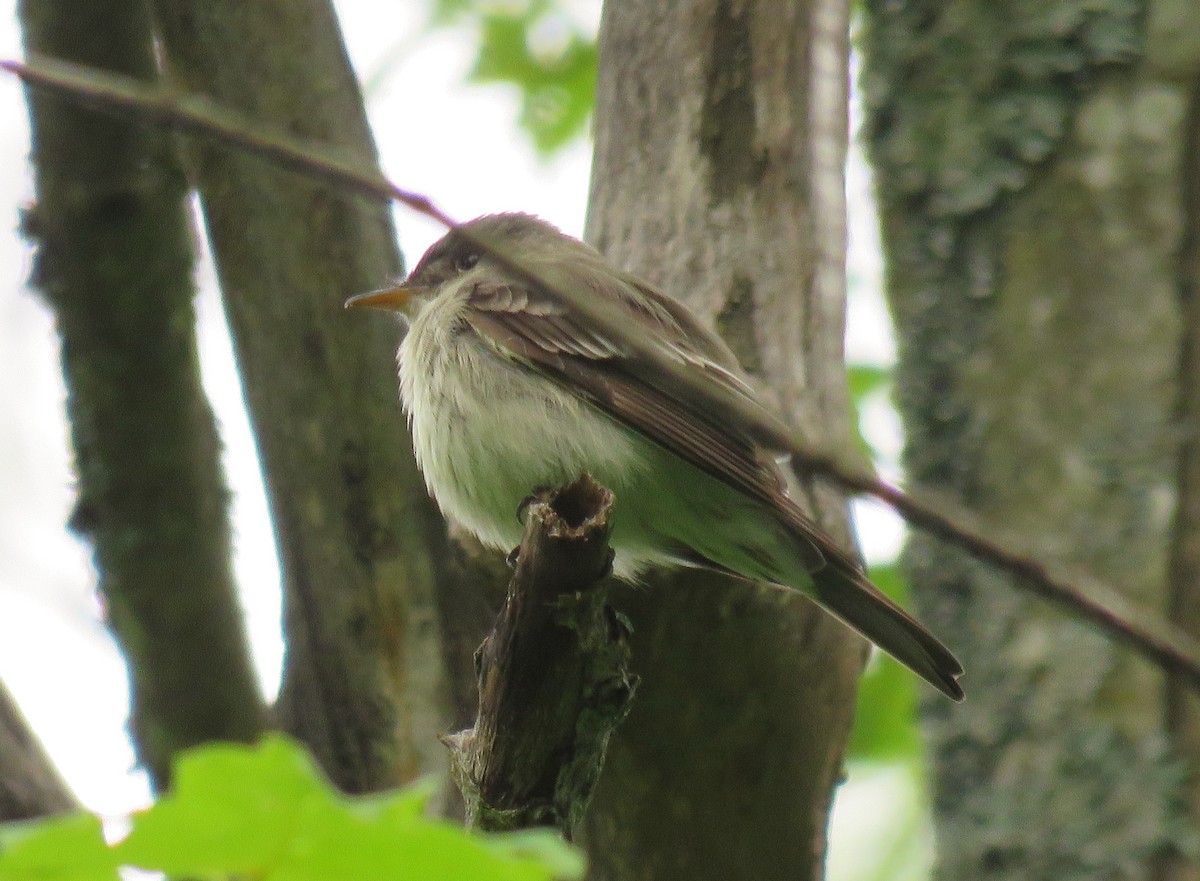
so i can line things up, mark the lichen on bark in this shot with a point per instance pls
(1027, 157)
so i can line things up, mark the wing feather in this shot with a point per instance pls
(543, 335)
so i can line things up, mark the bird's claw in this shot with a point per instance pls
(513, 557)
(535, 496)
(523, 506)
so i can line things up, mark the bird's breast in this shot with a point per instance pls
(487, 431)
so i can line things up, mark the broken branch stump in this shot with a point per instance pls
(553, 674)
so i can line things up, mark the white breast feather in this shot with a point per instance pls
(485, 443)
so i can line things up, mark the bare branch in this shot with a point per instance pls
(554, 677)
(1080, 595)
(197, 114)
(30, 786)
(1077, 593)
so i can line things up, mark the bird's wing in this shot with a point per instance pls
(702, 427)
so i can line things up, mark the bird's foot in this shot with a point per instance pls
(524, 504)
(513, 557)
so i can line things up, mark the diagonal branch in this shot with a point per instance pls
(197, 114)
(30, 785)
(1078, 594)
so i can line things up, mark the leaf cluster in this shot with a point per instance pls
(266, 812)
(537, 47)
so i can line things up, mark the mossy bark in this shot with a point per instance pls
(115, 262)
(1029, 161)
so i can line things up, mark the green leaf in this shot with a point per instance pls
(885, 721)
(557, 89)
(503, 53)
(888, 578)
(867, 379)
(884, 729)
(542, 845)
(232, 809)
(445, 11)
(369, 843)
(268, 812)
(69, 848)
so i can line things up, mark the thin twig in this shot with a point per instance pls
(1079, 594)
(197, 114)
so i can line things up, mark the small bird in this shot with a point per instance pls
(510, 386)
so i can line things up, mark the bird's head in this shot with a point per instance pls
(458, 253)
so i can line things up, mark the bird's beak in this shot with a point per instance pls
(394, 298)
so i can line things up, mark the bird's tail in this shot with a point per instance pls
(847, 594)
(716, 526)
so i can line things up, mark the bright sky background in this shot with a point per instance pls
(55, 654)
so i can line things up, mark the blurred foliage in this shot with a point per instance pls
(885, 733)
(537, 47)
(70, 847)
(885, 721)
(267, 813)
(866, 380)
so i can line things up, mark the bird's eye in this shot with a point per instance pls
(466, 261)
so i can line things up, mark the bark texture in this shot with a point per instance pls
(1031, 159)
(553, 673)
(720, 138)
(361, 544)
(1183, 705)
(115, 262)
(469, 603)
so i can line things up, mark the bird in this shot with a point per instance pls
(530, 360)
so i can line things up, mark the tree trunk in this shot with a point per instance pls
(115, 262)
(1036, 169)
(720, 139)
(361, 544)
